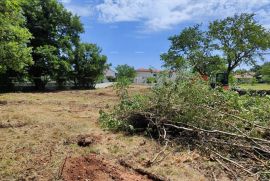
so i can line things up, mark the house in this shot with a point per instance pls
(109, 76)
(144, 74)
(244, 77)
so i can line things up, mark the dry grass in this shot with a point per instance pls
(36, 149)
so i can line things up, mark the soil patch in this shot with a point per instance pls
(83, 140)
(86, 140)
(94, 168)
(3, 103)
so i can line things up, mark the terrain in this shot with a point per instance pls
(56, 136)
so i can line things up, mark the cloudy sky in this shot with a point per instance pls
(136, 31)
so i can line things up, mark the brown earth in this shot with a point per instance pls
(94, 168)
(40, 130)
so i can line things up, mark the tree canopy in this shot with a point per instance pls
(125, 71)
(14, 36)
(191, 48)
(89, 64)
(225, 45)
(40, 42)
(240, 39)
(56, 33)
(265, 71)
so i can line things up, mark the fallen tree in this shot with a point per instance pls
(231, 129)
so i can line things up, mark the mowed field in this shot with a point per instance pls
(40, 131)
(255, 86)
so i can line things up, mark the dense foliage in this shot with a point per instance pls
(14, 36)
(88, 65)
(192, 49)
(15, 54)
(265, 72)
(40, 42)
(231, 41)
(186, 111)
(189, 100)
(125, 71)
(56, 32)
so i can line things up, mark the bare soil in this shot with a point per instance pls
(94, 168)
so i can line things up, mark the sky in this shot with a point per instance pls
(135, 32)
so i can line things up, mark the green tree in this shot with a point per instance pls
(257, 70)
(191, 48)
(125, 71)
(56, 32)
(14, 53)
(89, 65)
(265, 71)
(226, 44)
(239, 39)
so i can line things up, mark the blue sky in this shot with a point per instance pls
(136, 32)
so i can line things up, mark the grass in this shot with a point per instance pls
(255, 86)
(36, 150)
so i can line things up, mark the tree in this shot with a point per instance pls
(239, 39)
(226, 44)
(125, 71)
(14, 53)
(56, 33)
(257, 70)
(88, 65)
(191, 48)
(265, 71)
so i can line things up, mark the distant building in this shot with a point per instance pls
(144, 74)
(244, 77)
(109, 75)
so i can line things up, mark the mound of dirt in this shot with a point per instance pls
(86, 140)
(83, 140)
(93, 168)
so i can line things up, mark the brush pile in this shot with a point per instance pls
(231, 129)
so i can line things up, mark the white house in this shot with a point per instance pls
(144, 74)
(108, 75)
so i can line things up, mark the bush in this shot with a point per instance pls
(187, 111)
(125, 71)
(151, 80)
(189, 100)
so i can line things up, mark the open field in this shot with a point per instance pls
(255, 86)
(39, 132)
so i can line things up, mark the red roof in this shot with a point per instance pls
(147, 70)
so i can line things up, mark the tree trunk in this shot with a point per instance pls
(228, 73)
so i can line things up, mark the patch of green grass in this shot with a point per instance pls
(255, 86)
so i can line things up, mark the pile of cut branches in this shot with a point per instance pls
(231, 129)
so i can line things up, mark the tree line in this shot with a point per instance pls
(40, 42)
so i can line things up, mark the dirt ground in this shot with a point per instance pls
(56, 136)
(93, 168)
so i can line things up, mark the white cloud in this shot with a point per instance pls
(81, 10)
(139, 52)
(65, 1)
(86, 9)
(114, 52)
(164, 14)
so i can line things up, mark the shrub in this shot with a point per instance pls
(187, 111)
(151, 80)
